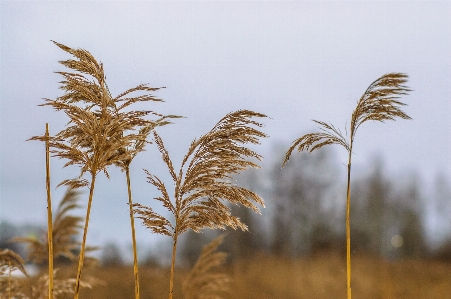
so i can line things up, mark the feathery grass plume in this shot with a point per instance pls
(379, 102)
(202, 282)
(65, 230)
(10, 286)
(203, 183)
(95, 136)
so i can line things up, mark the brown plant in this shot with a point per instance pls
(65, 230)
(62, 287)
(124, 165)
(99, 128)
(203, 182)
(379, 102)
(202, 281)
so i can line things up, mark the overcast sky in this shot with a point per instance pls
(294, 61)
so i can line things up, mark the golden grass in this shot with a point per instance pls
(204, 281)
(100, 132)
(268, 277)
(9, 285)
(322, 276)
(65, 229)
(379, 102)
(203, 185)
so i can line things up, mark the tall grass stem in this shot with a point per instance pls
(171, 280)
(83, 244)
(132, 223)
(378, 103)
(348, 228)
(49, 211)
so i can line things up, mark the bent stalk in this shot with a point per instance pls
(378, 103)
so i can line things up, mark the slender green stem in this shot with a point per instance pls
(348, 228)
(49, 211)
(171, 281)
(83, 244)
(132, 223)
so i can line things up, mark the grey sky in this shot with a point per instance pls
(294, 61)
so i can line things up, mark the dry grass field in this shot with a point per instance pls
(321, 276)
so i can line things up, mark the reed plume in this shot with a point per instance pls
(202, 281)
(99, 127)
(379, 103)
(66, 228)
(137, 145)
(203, 183)
(9, 286)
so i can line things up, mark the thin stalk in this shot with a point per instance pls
(83, 244)
(132, 222)
(171, 281)
(49, 211)
(348, 228)
(175, 236)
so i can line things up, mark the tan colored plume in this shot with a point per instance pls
(203, 185)
(203, 282)
(379, 102)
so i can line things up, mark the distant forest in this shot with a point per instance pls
(305, 211)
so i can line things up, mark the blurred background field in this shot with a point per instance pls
(400, 241)
(292, 60)
(320, 276)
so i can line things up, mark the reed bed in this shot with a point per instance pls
(104, 131)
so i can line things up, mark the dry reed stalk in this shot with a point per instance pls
(94, 138)
(49, 211)
(203, 181)
(137, 147)
(379, 102)
(132, 225)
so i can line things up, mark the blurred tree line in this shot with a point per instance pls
(305, 214)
